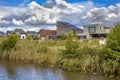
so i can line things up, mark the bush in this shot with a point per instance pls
(29, 38)
(71, 47)
(113, 39)
(10, 42)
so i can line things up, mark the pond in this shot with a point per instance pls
(10, 70)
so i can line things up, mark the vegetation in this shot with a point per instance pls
(9, 43)
(113, 41)
(71, 47)
(68, 54)
(111, 51)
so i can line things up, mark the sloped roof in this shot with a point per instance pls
(9, 32)
(69, 25)
(2, 33)
(31, 32)
(45, 33)
(19, 30)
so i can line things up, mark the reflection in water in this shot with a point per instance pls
(3, 73)
(15, 71)
(32, 73)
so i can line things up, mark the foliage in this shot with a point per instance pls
(10, 42)
(113, 39)
(29, 38)
(63, 37)
(42, 49)
(71, 47)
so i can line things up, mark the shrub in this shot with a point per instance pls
(29, 38)
(71, 47)
(113, 39)
(10, 42)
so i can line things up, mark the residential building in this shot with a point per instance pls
(31, 33)
(9, 32)
(47, 34)
(95, 31)
(65, 28)
(2, 34)
(20, 32)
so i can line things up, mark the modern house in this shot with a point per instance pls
(65, 28)
(47, 34)
(20, 32)
(94, 31)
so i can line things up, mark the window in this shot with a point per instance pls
(92, 29)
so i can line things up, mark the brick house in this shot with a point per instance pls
(47, 34)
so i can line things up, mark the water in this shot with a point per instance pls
(10, 70)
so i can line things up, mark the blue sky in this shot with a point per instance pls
(18, 2)
(34, 15)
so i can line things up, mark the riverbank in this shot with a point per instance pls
(89, 58)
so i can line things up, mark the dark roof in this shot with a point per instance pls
(45, 33)
(31, 32)
(69, 25)
(2, 33)
(9, 32)
(19, 30)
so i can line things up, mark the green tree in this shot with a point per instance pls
(113, 39)
(63, 36)
(110, 54)
(29, 38)
(9, 43)
(71, 46)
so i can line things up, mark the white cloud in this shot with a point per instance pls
(4, 22)
(76, 13)
(17, 23)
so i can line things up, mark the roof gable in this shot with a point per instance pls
(19, 30)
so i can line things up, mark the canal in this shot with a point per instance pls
(10, 70)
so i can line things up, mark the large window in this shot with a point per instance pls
(92, 29)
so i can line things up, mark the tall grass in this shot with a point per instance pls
(90, 57)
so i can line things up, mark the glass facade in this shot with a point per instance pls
(92, 29)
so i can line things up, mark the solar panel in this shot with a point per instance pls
(69, 25)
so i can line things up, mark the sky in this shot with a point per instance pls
(43, 14)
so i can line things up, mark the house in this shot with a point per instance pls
(94, 31)
(31, 33)
(2, 34)
(20, 32)
(65, 28)
(9, 32)
(47, 34)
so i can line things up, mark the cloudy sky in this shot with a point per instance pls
(37, 14)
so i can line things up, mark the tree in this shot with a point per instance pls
(29, 38)
(111, 53)
(113, 39)
(71, 46)
(9, 43)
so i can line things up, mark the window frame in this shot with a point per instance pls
(93, 29)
